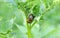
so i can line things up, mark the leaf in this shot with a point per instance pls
(6, 14)
(49, 26)
(20, 17)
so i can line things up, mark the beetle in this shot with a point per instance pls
(30, 18)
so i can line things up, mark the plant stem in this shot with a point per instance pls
(29, 31)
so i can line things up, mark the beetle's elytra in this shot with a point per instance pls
(30, 18)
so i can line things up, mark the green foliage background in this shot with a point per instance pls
(13, 14)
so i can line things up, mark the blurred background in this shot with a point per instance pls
(13, 14)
